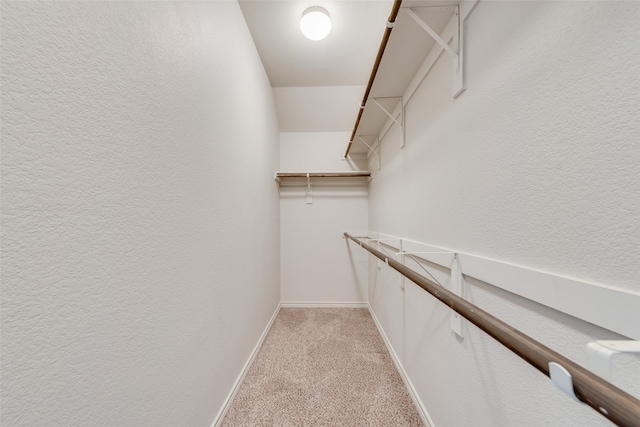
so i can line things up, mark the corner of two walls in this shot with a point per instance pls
(318, 267)
(140, 220)
(536, 164)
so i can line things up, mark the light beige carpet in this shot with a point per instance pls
(322, 367)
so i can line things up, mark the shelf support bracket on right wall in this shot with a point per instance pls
(309, 191)
(457, 281)
(456, 52)
(374, 151)
(391, 116)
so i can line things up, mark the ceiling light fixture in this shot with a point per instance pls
(315, 23)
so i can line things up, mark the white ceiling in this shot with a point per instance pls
(319, 85)
(343, 58)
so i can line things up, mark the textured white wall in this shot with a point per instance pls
(134, 196)
(536, 164)
(316, 263)
(317, 108)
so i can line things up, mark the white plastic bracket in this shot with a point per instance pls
(374, 151)
(600, 353)
(391, 116)
(456, 320)
(309, 192)
(456, 52)
(561, 378)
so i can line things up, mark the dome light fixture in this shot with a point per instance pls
(315, 23)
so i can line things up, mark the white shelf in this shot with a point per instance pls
(403, 61)
(308, 175)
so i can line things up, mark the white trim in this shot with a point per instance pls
(236, 386)
(614, 309)
(426, 419)
(313, 304)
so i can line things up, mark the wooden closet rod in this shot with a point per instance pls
(383, 45)
(323, 174)
(608, 400)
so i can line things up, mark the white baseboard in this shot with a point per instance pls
(426, 419)
(236, 386)
(311, 304)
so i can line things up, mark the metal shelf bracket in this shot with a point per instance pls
(456, 320)
(374, 151)
(391, 116)
(309, 192)
(456, 53)
(433, 34)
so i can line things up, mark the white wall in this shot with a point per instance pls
(536, 164)
(317, 266)
(134, 196)
(316, 108)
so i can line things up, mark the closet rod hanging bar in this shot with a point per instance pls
(365, 174)
(383, 45)
(608, 400)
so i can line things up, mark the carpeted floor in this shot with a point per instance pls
(322, 367)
